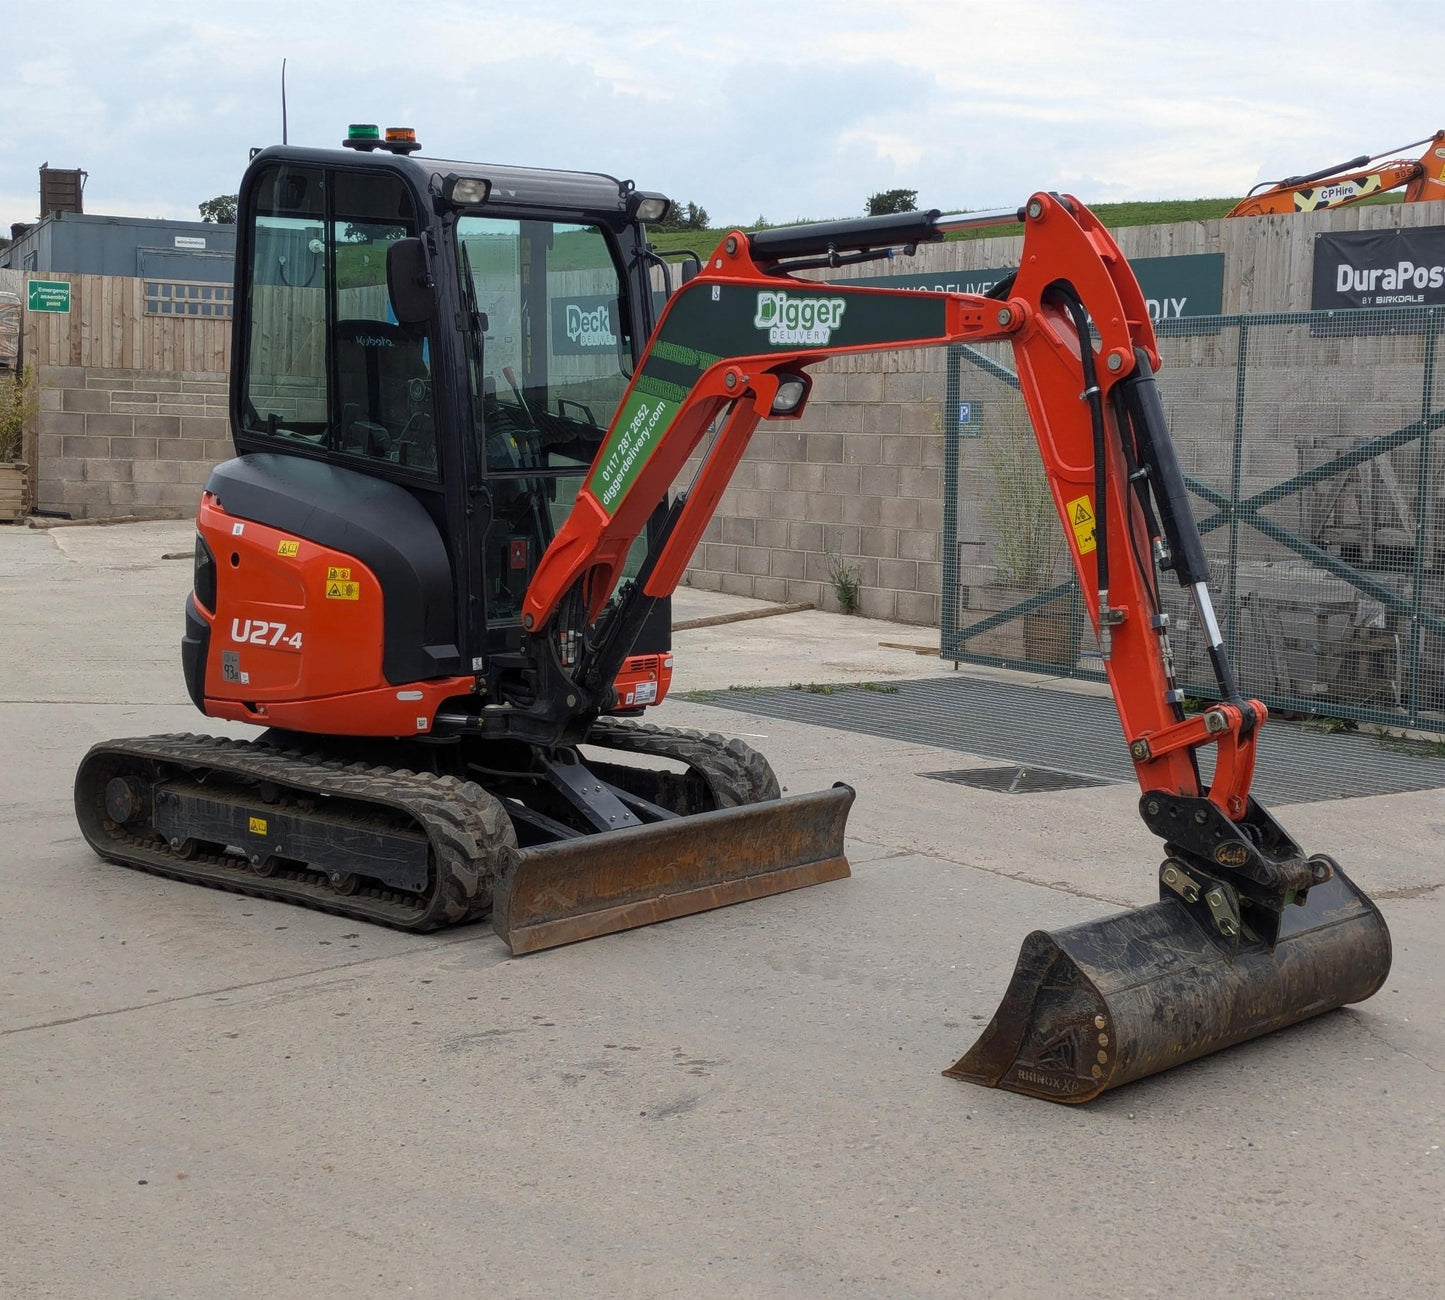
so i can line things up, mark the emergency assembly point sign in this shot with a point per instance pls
(47, 295)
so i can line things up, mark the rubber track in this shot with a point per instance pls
(469, 832)
(735, 772)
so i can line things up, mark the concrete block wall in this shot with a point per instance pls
(859, 479)
(117, 442)
(793, 501)
(856, 482)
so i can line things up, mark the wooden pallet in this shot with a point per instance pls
(13, 503)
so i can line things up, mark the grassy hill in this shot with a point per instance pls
(1154, 212)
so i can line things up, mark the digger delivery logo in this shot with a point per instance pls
(788, 319)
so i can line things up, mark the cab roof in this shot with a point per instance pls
(510, 186)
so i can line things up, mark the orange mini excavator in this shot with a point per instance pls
(1360, 178)
(438, 570)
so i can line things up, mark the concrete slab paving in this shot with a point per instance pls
(206, 1094)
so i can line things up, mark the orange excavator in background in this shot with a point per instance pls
(1361, 178)
(438, 573)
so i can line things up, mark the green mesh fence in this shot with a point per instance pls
(1309, 441)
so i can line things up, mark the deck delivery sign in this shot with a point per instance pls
(1379, 268)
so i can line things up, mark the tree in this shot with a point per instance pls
(221, 209)
(368, 233)
(683, 216)
(888, 201)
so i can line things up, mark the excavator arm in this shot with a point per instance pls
(1349, 182)
(1250, 933)
(733, 348)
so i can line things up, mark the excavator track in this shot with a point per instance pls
(459, 835)
(729, 772)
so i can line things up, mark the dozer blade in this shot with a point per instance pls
(600, 884)
(1101, 1004)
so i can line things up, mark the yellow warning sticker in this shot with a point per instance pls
(343, 591)
(338, 575)
(257, 826)
(1081, 519)
(288, 548)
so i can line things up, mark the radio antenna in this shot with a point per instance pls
(284, 140)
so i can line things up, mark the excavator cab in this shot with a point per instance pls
(353, 261)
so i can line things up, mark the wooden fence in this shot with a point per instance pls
(1267, 263)
(107, 327)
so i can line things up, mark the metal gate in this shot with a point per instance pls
(1307, 442)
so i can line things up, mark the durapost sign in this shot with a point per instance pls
(1174, 287)
(47, 295)
(1379, 268)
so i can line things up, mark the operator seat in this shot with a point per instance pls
(381, 378)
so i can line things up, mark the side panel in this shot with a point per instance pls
(293, 619)
(296, 637)
(378, 524)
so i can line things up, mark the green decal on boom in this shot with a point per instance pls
(639, 428)
(708, 323)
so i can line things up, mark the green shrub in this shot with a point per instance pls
(846, 582)
(19, 400)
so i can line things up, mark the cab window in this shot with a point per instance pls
(329, 368)
(556, 358)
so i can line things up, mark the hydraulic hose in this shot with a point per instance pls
(1092, 394)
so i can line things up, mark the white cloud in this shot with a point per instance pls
(796, 109)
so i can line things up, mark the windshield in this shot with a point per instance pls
(554, 362)
(556, 355)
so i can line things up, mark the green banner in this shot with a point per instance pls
(708, 322)
(1174, 287)
(47, 295)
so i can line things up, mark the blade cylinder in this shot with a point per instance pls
(1098, 1005)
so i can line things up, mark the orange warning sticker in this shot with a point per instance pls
(1081, 520)
(288, 548)
(343, 591)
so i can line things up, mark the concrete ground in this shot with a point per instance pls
(195, 1100)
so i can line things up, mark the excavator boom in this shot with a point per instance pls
(1361, 178)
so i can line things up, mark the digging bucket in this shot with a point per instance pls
(600, 884)
(1098, 1005)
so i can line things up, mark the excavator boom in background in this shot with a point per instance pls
(1423, 178)
(439, 571)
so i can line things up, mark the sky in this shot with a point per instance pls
(780, 109)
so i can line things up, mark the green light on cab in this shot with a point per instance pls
(363, 131)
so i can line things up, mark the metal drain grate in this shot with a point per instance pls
(1069, 731)
(1017, 780)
